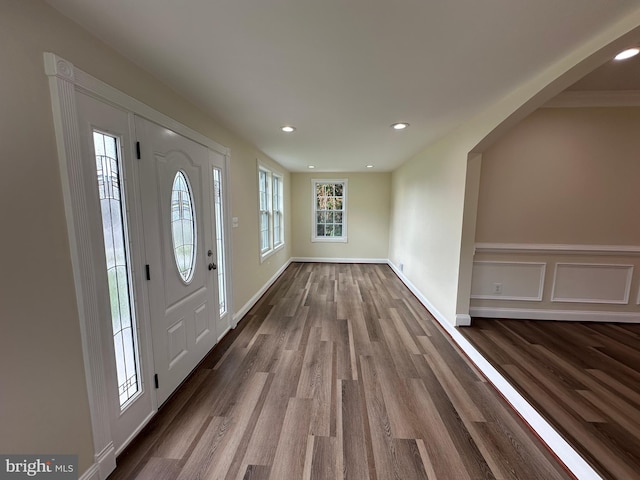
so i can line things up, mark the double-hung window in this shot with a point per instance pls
(271, 221)
(278, 214)
(329, 222)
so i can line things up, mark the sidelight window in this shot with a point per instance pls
(114, 229)
(220, 233)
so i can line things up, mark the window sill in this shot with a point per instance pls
(329, 240)
(268, 253)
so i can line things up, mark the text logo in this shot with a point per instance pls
(49, 467)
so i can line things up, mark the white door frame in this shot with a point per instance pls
(64, 81)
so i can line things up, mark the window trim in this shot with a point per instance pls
(273, 246)
(314, 237)
(267, 210)
(278, 207)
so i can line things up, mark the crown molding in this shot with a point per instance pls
(595, 98)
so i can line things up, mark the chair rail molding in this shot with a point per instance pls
(559, 248)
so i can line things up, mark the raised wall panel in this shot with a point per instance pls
(518, 280)
(592, 283)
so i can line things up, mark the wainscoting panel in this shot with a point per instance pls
(503, 280)
(592, 283)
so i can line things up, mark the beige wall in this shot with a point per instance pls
(561, 177)
(368, 203)
(43, 397)
(569, 176)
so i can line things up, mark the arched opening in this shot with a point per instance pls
(549, 233)
(571, 87)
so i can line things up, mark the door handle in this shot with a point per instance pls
(212, 266)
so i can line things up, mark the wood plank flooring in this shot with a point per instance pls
(583, 377)
(338, 372)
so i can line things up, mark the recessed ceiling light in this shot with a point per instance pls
(369, 166)
(399, 125)
(311, 166)
(288, 129)
(630, 52)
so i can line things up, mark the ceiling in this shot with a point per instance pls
(613, 75)
(342, 71)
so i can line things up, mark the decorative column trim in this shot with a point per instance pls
(62, 84)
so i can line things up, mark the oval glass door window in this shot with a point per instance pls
(183, 226)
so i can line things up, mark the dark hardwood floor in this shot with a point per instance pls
(584, 378)
(337, 372)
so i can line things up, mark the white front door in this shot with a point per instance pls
(176, 180)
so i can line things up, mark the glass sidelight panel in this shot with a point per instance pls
(112, 206)
(217, 195)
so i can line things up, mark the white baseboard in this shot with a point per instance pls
(92, 473)
(463, 320)
(338, 260)
(559, 315)
(106, 460)
(237, 316)
(424, 300)
(565, 452)
(104, 465)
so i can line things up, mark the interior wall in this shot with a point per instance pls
(428, 191)
(43, 399)
(565, 177)
(426, 222)
(472, 186)
(368, 213)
